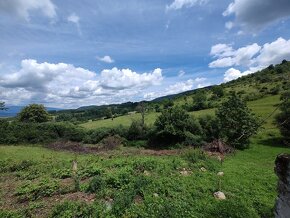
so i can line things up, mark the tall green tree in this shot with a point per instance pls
(218, 91)
(34, 113)
(199, 101)
(237, 122)
(283, 118)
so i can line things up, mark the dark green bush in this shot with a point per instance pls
(16, 132)
(171, 127)
(96, 185)
(136, 130)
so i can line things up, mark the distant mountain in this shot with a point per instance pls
(12, 111)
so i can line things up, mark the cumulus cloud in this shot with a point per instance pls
(227, 56)
(272, 53)
(106, 59)
(179, 87)
(179, 4)
(126, 78)
(256, 14)
(233, 73)
(65, 85)
(253, 56)
(23, 8)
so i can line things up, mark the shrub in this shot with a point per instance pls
(136, 131)
(16, 132)
(95, 136)
(112, 142)
(34, 191)
(210, 127)
(171, 127)
(96, 185)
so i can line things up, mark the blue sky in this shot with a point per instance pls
(73, 53)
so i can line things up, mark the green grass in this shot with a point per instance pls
(249, 181)
(122, 120)
(262, 107)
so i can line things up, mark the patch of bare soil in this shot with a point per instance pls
(160, 152)
(8, 185)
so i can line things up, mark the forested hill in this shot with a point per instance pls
(269, 81)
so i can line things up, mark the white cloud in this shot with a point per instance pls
(106, 59)
(253, 56)
(125, 78)
(73, 18)
(23, 8)
(272, 53)
(179, 4)
(233, 73)
(64, 85)
(228, 57)
(256, 14)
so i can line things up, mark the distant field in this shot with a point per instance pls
(123, 120)
(262, 107)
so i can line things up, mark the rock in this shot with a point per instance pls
(185, 172)
(202, 169)
(146, 173)
(220, 173)
(155, 195)
(282, 170)
(219, 195)
(109, 203)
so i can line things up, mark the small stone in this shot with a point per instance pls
(219, 195)
(184, 172)
(146, 173)
(202, 169)
(220, 174)
(155, 195)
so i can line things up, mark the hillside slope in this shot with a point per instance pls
(268, 82)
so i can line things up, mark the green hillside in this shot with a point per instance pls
(263, 84)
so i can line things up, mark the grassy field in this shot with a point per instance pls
(127, 183)
(262, 107)
(122, 120)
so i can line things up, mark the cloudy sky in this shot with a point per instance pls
(68, 54)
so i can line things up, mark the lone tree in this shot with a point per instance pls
(142, 107)
(34, 113)
(283, 118)
(237, 122)
(109, 113)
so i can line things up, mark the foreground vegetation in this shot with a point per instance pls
(38, 182)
